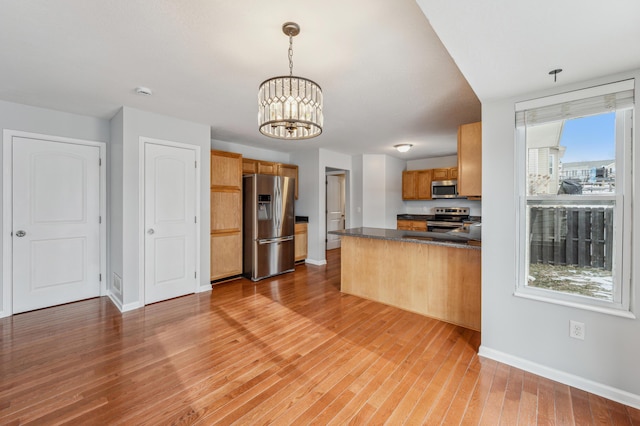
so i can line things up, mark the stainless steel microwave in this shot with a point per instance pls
(444, 189)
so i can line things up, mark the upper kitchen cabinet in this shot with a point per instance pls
(416, 184)
(225, 170)
(445, 174)
(410, 185)
(424, 184)
(289, 170)
(470, 160)
(260, 167)
(267, 168)
(249, 166)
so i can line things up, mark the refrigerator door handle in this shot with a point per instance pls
(275, 240)
(277, 206)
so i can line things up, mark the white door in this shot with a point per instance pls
(170, 222)
(335, 208)
(56, 223)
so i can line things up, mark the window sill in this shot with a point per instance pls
(601, 309)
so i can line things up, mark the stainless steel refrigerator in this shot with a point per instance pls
(268, 226)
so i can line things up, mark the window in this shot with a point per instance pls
(575, 196)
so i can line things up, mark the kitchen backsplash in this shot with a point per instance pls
(426, 207)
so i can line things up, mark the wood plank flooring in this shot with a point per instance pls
(287, 350)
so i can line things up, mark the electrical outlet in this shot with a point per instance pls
(576, 329)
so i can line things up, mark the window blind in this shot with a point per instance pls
(599, 104)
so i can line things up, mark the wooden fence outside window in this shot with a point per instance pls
(580, 236)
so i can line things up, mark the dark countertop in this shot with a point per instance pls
(407, 216)
(415, 217)
(457, 239)
(302, 219)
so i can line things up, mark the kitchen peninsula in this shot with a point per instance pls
(433, 274)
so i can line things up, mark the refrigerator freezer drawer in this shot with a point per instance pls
(272, 257)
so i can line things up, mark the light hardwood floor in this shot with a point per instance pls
(288, 350)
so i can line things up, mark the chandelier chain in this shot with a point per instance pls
(290, 55)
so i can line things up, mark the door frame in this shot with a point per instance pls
(334, 171)
(143, 141)
(6, 307)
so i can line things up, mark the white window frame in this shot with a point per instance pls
(622, 211)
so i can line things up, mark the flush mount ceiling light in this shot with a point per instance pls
(403, 147)
(290, 107)
(144, 91)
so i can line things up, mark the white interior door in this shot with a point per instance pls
(170, 222)
(56, 223)
(335, 208)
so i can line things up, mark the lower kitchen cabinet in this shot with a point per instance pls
(225, 258)
(300, 242)
(412, 225)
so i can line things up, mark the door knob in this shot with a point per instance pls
(20, 233)
(151, 231)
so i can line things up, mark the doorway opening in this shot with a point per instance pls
(335, 206)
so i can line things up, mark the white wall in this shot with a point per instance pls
(433, 163)
(373, 186)
(115, 207)
(308, 203)
(531, 334)
(136, 124)
(355, 217)
(428, 206)
(393, 190)
(381, 190)
(48, 122)
(252, 152)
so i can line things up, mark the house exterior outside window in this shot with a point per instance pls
(574, 218)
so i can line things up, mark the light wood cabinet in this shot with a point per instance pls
(289, 170)
(226, 255)
(267, 168)
(412, 225)
(424, 184)
(445, 174)
(300, 242)
(226, 214)
(470, 160)
(225, 170)
(250, 166)
(416, 184)
(436, 281)
(409, 185)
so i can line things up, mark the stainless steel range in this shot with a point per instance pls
(447, 219)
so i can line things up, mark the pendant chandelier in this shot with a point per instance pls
(290, 107)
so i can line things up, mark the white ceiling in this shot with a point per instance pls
(385, 75)
(507, 47)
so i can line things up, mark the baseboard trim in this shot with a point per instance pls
(123, 307)
(596, 388)
(203, 288)
(316, 262)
